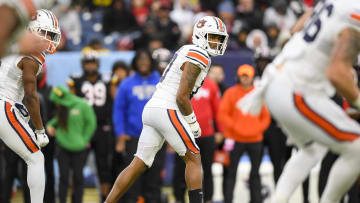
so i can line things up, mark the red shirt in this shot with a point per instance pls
(206, 104)
(309, 3)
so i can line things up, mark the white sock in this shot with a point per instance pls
(296, 170)
(36, 176)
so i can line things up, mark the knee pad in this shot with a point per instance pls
(147, 152)
(35, 158)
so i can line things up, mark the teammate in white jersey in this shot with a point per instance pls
(316, 63)
(18, 83)
(15, 16)
(169, 115)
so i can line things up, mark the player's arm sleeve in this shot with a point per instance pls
(225, 109)
(215, 104)
(119, 108)
(198, 57)
(90, 122)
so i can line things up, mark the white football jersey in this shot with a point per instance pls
(308, 52)
(166, 89)
(11, 83)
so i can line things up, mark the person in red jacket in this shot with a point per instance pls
(243, 133)
(205, 104)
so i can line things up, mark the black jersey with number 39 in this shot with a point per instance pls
(96, 94)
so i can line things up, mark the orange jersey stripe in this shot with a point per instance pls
(40, 58)
(321, 122)
(20, 130)
(29, 7)
(198, 57)
(180, 129)
(355, 16)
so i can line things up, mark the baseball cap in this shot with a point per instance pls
(246, 69)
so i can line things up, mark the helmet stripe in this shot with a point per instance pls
(217, 24)
(221, 24)
(46, 12)
(54, 17)
(49, 14)
(30, 7)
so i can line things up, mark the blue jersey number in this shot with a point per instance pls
(313, 28)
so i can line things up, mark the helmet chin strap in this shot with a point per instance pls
(51, 48)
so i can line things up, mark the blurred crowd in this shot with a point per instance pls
(105, 117)
(109, 121)
(107, 25)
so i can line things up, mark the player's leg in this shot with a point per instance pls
(296, 170)
(19, 137)
(280, 101)
(152, 181)
(149, 144)
(343, 174)
(178, 134)
(336, 130)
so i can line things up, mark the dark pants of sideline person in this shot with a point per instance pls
(254, 150)
(74, 161)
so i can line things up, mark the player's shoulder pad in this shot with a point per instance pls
(39, 58)
(198, 56)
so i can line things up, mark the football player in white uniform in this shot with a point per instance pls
(169, 115)
(15, 16)
(18, 83)
(316, 63)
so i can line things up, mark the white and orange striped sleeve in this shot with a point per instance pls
(198, 57)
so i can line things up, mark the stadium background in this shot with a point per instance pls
(83, 28)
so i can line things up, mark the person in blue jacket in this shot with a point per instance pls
(132, 95)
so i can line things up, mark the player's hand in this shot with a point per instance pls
(194, 125)
(195, 128)
(41, 137)
(121, 142)
(29, 43)
(51, 131)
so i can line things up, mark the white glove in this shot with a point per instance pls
(41, 137)
(194, 125)
(253, 101)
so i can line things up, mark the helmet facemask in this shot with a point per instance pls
(216, 43)
(52, 37)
